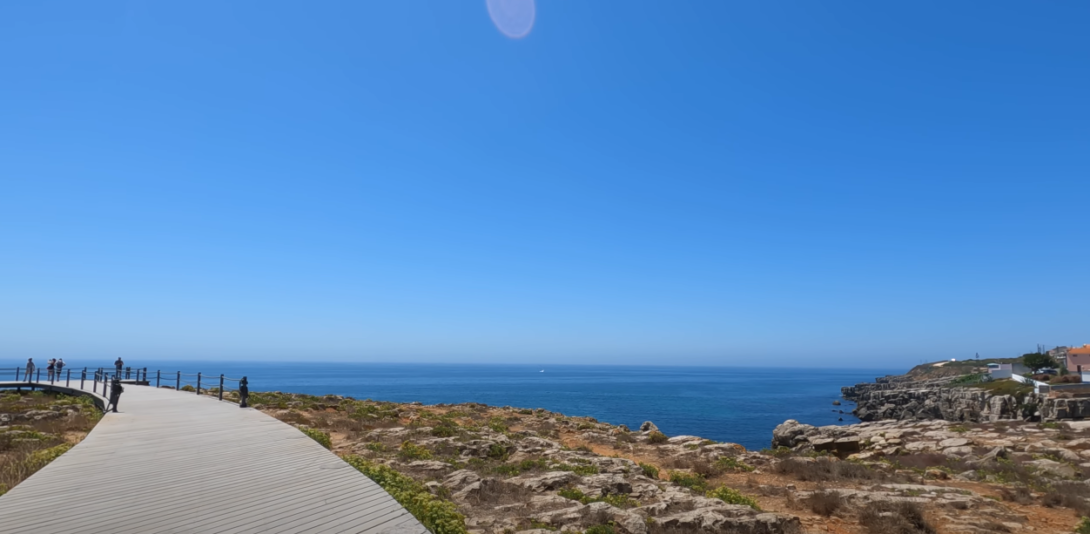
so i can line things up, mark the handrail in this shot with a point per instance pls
(104, 375)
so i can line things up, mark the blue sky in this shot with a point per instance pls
(725, 183)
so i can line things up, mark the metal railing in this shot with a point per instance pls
(199, 383)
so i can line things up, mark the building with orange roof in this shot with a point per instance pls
(1078, 359)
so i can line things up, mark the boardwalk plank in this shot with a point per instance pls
(178, 462)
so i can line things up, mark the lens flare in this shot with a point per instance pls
(513, 18)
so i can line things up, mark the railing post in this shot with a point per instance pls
(221, 387)
(16, 374)
(68, 379)
(156, 378)
(145, 374)
(198, 383)
(39, 379)
(82, 377)
(178, 384)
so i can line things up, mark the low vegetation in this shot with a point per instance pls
(733, 496)
(902, 517)
(649, 470)
(825, 503)
(618, 500)
(1005, 387)
(439, 516)
(1083, 527)
(510, 470)
(36, 428)
(656, 437)
(826, 470)
(317, 435)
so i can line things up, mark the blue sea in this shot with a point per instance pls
(739, 405)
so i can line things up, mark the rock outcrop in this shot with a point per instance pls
(900, 398)
(535, 472)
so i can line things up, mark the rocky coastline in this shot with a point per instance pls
(905, 397)
(507, 470)
(899, 398)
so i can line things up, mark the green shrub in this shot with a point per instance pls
(411, 451)
(444, 429)
(732, 496)
(39, 459)
(375, 446)
(649, 470)
(497, 424)
(581, 470)
(498, 452)
(600, 529)
(972, 378)
(189, 388)
(317, 435)
(437, 515)
(656, 437)
(692, 481)
(1084, 526)
(732, 464)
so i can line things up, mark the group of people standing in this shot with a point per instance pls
(53, 369)
(56, 365)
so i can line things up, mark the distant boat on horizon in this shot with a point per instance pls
(542, 370)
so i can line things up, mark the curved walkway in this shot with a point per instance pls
(173, 462)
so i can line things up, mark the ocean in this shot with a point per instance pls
(733, 404)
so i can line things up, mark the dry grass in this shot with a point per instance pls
(1017, 494)
(826, 470)
(497, 493)
(28, 445)
(895, 518)
(1068, 495)
(825, 503)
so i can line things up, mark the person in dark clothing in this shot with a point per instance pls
(243, 393)
(115, 393)
(30, 369)
(59, 366)
(49, 369)
(118, 365)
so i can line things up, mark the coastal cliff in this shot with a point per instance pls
(900, 398)
(497, 470)
(908, 397)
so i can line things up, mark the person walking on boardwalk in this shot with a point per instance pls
(29, 369)
(59, 366)
(115, 393)
(118, 365)
(49, 369)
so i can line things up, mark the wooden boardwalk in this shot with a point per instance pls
(174, 462)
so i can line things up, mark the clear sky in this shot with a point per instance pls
(726, 183)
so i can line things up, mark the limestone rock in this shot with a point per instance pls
(553, 480)
(1053, 467)
(953, 442)
(605, 484)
